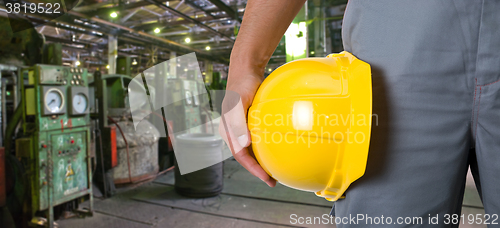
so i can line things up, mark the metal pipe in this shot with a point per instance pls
(178, 13)
(180, 3)
(128, 16)
(151, 12)
(112, 53)
(4, 107)
(193, 5)
(199, 30)
(221, 5)
(14, 90)
(98, 20)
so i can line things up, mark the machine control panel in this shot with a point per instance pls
(69, 159)
(58, 75)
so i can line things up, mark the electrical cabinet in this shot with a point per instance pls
(56, 135)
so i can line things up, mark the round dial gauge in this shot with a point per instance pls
(80, 103)
(54, 100)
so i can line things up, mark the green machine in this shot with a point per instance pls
(54, 146)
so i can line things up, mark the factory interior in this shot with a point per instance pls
(72, 155)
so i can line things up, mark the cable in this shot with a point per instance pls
(166, 170)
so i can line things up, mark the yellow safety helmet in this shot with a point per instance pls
(310, 123)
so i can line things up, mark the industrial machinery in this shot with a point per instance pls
(100, 96)
(53, 142)
(129, 155)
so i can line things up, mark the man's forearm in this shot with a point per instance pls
(263, 26)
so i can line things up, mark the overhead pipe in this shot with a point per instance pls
(190, 31)
(180, 14)
(193, 5)
(142, 36)
(178, 5)
(98, 20)
(222, 6)
(129, 15)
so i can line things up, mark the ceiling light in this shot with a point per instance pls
(187, 40)
(113, 15)
(207, 48)
(134, 62)
(157, 30)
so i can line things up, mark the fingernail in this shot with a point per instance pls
(242, 140)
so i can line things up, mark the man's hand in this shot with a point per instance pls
(264, 23)
(234, 128)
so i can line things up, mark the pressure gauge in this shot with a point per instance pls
(79, 100)
(53, 101)
(80, 103)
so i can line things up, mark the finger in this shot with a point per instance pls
(250, 164)
(252, 154)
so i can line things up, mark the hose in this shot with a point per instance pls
(11, 128)
(126, 147)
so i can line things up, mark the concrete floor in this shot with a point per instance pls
(244, 202)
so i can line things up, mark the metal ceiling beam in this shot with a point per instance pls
(102, 11)
(106, 27)
(186, 17)
(124, 28)
(197, 31)
(151, 39)
(193, 5)
(69, 41)
(230, 11)
(152, 25)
